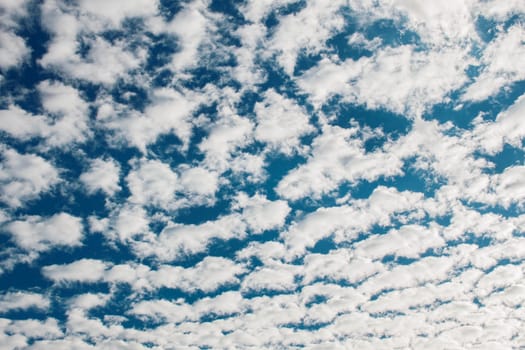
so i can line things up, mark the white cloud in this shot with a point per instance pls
(164, 310)
(227, 303)
(191, 26)
(513, 296)
(507, 128)
(448, 158)
(409, 241)
(102, 175)
(468, 220)
(12, 11)
(169, 112)
(48, 328)
(339, 265)
(509, 187)
(500, 11)
(13, 50)
(347, 221)
(249, 167)
(41, 234)
(262, 214)
(425, 270)
(21, 124)
(281, 122)
(256, 10)
(66, 119)
(308, 30)
(22, 301)
(129, 222)
(68, 111)
(199, 181)
(246, 71)
(62, 344)
(103, 63)
(84, 270)
(177, 240)
(400, 79)
(501, 65)
(501, 277)
(267, 252)
(207, 275)
(226, 135)
(24, 177)
(280, 278)
(153, 183)
(440, 23)
(359, 40)
(337, 155)
(88, 301)
(414, 297)
(116, 11)
(224, 304)
(254, 214)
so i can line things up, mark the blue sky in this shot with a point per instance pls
(262, 174)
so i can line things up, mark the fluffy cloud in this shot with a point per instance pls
(41, 234)
(68, 110)
(280, 122)
(22, 125)
(337, 155)
(207, 275)
(438, 23)
(190, 26)
(22, 301)
(271, 278)
(347, 221)
(505, 129)
(177, 240)
(24, 177)
(65, 121)
(102, 175)
(226, 136)
(84, 270)
(154, 183)
(308, 30)
(409, 241)
(116, 12)
(13, 50)
(199, 181)
(400, 79)
(501, 65)
(103, 63)
(169, 112)
(129, 221)
(262, 214)
(510, 186)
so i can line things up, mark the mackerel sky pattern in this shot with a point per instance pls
(262, 174)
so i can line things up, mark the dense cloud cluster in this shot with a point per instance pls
(262, 174)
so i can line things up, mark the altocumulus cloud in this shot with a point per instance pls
(277, 174)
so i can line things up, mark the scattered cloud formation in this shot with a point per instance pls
(268, 174)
